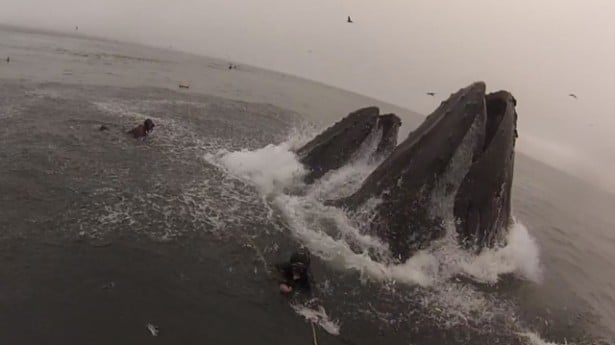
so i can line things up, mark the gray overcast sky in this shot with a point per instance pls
(541, 50)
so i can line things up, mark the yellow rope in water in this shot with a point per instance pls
(314, 333)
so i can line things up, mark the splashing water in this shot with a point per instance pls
(520, 256)
(330, 234)
(318, 316)
(341, 240)
(535, 339)
(271, 168)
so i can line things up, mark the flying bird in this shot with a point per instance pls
(431, 93)
(350, 20)
(573, 95)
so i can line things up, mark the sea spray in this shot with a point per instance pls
(336, 237)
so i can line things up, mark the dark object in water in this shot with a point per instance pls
(426, 170)
(8, 59)
(143, 130)
(431, 94)
(337, 145)
(153, 329)
(349, 20)
(573, 95)
(295, 273)
(184, 85)
(103, 128)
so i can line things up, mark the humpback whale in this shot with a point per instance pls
(457, 165)
(337, 145)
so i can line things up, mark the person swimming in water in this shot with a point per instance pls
(143, 130)
(296, 276)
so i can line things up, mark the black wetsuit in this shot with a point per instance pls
(303, 284)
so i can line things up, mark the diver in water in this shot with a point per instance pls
(296, 276)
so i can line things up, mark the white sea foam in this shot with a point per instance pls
(334, 237)
(331, 235)
(319, 317)
(520, 256)
(270, 169)
(535, 339)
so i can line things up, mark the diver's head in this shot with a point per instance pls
(149, 125)
(302, 255)
(300, 262)
(298, 269)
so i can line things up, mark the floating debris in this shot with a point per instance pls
(184, 85)
(153, 329)
(108, 286)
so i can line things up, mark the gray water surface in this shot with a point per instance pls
(102, 234)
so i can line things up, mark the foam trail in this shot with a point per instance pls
(318, 316)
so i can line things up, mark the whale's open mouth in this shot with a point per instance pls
(464, 150)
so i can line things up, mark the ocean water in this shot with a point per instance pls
(101, 235)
